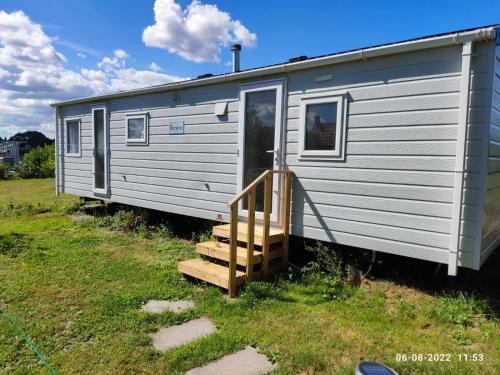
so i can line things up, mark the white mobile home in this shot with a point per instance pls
(393, 148)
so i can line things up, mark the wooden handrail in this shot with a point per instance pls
(254, 183)
(250, 191)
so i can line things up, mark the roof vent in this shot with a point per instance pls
(297, 58)
(208, 75)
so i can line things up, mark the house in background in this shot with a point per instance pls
(10, 153)
(393, 148)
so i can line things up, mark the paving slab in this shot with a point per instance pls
(171, 337)
(158, 306)
(245, 362)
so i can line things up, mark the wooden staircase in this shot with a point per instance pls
(244, 249)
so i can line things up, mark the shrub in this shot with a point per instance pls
(328, 272)
(4, 171)
(38, 163)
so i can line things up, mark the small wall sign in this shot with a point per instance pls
(324, 77)
(176, 127)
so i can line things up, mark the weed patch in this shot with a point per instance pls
(458, 308)
(327, 274)
(133, 222)
(13, 244)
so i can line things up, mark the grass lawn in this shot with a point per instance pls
(76, 289)
(35, 191)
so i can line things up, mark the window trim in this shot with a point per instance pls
(105, 190)
(137, 141)
(339, 153)
(79, 121)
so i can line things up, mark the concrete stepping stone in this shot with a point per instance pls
(171, 337)
(159, 306)
(245, 362)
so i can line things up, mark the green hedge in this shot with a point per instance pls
(38, 163)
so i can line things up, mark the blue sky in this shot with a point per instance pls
(76, 37)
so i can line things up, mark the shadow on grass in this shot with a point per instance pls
(428, 277)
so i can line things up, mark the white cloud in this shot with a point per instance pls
(81, 55)
(130, 78)
(25, 45)
(120, 54)
(153, 66)
(196, 33)
(33, 75)
(48, 128)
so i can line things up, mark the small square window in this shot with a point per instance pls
(322, 127)
(73, 138)
(137, 128)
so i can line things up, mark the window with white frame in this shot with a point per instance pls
(73, 147)
(137, 128)
(322, 127)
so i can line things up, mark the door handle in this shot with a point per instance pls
(277, 152)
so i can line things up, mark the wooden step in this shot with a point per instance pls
(210, 272)
(275, 233)
(220, 250)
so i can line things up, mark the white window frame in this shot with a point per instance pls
(141, 141)
(103, 191)
(79, 121)
(339, 152)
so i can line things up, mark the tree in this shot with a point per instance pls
(31, 139)
(38, 163)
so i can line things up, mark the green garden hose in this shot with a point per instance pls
(11, 319)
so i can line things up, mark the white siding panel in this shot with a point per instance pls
(436, 117)
(172, 200)
(196, 157)
(386, 162)
(407, 177)
(430, 194)
(394, 219)
(177, 148)
(389, 232)
(373, 243)
(195, 194)
(183, 166)
(404, 133)
(172, 174)
(189, 184)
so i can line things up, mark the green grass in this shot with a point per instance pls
(32, 191)
(76, 290)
